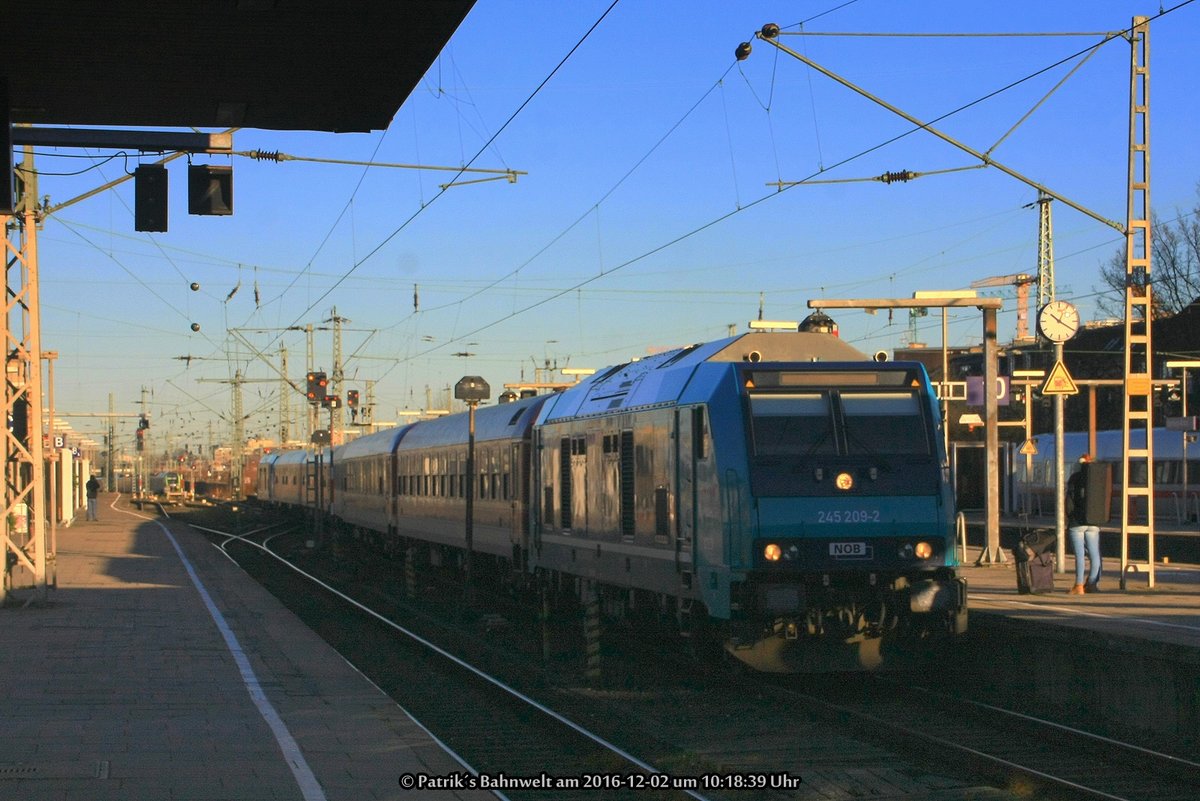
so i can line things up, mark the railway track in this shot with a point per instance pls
(509, 742)
(1029, 756)
(752, 736)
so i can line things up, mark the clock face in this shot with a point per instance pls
(1058, 321)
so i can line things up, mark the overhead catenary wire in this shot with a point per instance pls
(605, 269)
(388, 238)
(706, 226)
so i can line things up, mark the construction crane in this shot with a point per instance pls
(1021, 281)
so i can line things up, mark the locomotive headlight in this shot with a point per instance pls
(923, 550)
(844, 481)
(772, 553)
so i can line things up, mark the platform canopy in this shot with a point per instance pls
(345, 65)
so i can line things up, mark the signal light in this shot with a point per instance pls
(317, 383)
(150, 198)
(210, 189)
(352, 398)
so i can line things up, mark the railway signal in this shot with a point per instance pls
(317, 384)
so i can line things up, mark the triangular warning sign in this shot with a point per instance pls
(1028, 448)
(1059, 382)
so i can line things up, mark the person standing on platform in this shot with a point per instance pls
(93, 492)
(1088, 507)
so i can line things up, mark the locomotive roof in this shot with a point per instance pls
(662, 377)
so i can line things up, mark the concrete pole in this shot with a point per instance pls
(55, 458)
(285, 409)
(992, 551)
(112, 446)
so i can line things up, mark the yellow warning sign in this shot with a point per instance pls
(1029, 448)
(1059, 382)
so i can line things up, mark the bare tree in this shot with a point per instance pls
(1174, 269)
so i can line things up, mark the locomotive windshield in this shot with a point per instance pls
(791, 423)
(884, 422)
(846, 422)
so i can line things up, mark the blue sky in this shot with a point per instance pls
(646, 218)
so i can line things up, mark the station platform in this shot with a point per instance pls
(159, 669)
(1122, 662)
(1169, 613)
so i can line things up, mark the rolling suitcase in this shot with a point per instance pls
(1036, 575)
(1035, 561)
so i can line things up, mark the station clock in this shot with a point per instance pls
(1058, 320)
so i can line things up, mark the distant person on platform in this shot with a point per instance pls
(93, 492)
(1087, 496)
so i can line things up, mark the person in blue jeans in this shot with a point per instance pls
(1085, 514)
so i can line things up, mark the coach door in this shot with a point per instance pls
(515, 476)
(689, 423)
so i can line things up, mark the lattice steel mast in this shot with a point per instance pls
(1139, 310)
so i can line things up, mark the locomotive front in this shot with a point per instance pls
(848, 549)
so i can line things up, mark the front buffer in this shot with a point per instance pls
(845, 603)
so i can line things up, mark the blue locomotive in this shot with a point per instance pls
(779, 490)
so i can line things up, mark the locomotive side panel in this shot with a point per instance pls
(607, 500)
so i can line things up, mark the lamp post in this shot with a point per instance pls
(1028, 379)
(1183, 366)
(471, 389)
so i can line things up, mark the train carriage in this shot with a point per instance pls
(1176, 482)
(432, 474)
(364, 478)
(296, 478)
(167, 487)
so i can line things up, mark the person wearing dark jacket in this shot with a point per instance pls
(1086, 505)
(93, 493)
